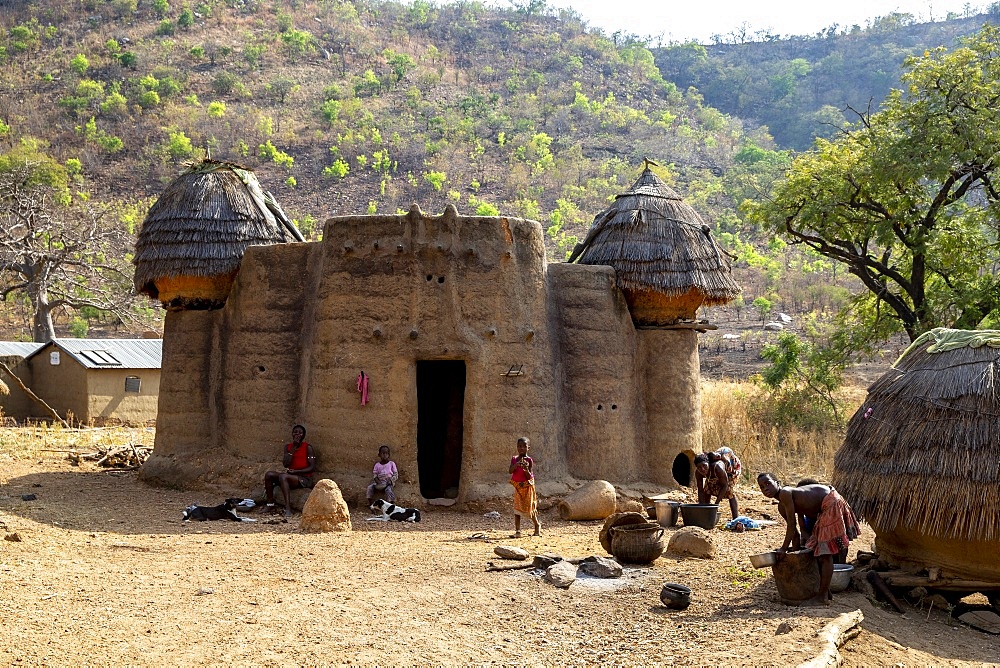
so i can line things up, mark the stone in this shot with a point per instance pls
(631, 506)
(543, 561)
(511, 552)
(601, 567)
(783, 628)
(561, 574)
(325, 510)
(13, 537)
(693, 542)
(594, 500)
(773, 327)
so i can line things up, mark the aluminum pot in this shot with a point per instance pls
(666, 512)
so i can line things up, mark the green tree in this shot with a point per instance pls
(906, 198)
(803, 374)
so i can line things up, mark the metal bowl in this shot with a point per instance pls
(841, 579)
(764, 559)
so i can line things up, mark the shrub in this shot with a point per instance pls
(166, 28)
(436, 179)
(216, 109)
(178, 145)
(186, 19)
(79, 64)
(225, 83)
(338, 169)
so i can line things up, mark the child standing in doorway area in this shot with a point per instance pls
(384, 476)
(522, 477)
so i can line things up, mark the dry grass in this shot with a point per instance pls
(788, 452)
(45, 442)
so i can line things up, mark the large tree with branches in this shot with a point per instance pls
(57, 250)
(907, 199)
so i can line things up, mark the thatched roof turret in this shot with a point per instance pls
(666, 261)
(192, 241)
(919, 462)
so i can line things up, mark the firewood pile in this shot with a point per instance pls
(125, 457)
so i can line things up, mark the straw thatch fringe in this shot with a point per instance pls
(655, 241)
(923, 450)
(203, 223)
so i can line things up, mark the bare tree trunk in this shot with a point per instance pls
(43, 330)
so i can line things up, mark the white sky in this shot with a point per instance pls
(687, 19)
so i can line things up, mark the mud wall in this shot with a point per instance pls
(106, 395)
(17, 404)
(671, 379)
(62, 386)
(603, 410)
(968, 559)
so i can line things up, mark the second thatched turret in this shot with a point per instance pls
(666, 261)
(192, 241)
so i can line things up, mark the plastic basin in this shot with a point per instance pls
(701, 515)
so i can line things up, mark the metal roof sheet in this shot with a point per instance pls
(18, 348)
(112, 353)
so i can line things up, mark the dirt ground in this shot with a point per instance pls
(106, 572)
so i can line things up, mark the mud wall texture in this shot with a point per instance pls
(17, 404)
(62, 386)
(547, 351)
(107, 396)
(969, 559)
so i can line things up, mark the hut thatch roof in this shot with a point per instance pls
(657, 242)
(204, 221)
(923, 450)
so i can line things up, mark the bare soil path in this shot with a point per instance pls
(105, 572)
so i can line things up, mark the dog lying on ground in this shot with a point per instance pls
(223, 511)
(393, 512)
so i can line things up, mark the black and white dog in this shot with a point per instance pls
(393, 512)
(224, 511)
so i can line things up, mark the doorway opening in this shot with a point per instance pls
(440, 421)
(683, 468)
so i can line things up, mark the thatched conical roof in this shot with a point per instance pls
(204, 221)
(657, 242)
(922, 452)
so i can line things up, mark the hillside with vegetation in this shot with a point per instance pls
(369, 106)
(346, 107)
(805, 87)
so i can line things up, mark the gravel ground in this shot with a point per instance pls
(106, 572)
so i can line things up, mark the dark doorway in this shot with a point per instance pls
(683, 468)
(440, 408)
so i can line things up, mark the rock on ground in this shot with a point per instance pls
(693, 542)
(595, 500)
(325, 509)
(511, 552)
(601, 567)
(561, 574)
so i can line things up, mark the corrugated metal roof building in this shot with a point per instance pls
(17, 404)
(91, 381)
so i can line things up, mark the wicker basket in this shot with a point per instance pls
(636, 543)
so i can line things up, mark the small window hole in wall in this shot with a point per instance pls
(430, 277)
(440, 279)
(614, 407)
(600, 407)
(260, 368)
(132, 384)
(683, 468)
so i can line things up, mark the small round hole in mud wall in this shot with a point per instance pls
(261, 369)
(600, 407)
(683, 468)
(614, 407)
(440, 279)
(430, 277)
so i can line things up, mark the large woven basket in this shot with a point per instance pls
(636, 543)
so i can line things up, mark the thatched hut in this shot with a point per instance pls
(192, 241)
(666, 262)
(920, 459)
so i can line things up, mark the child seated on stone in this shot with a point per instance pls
(384, 476)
